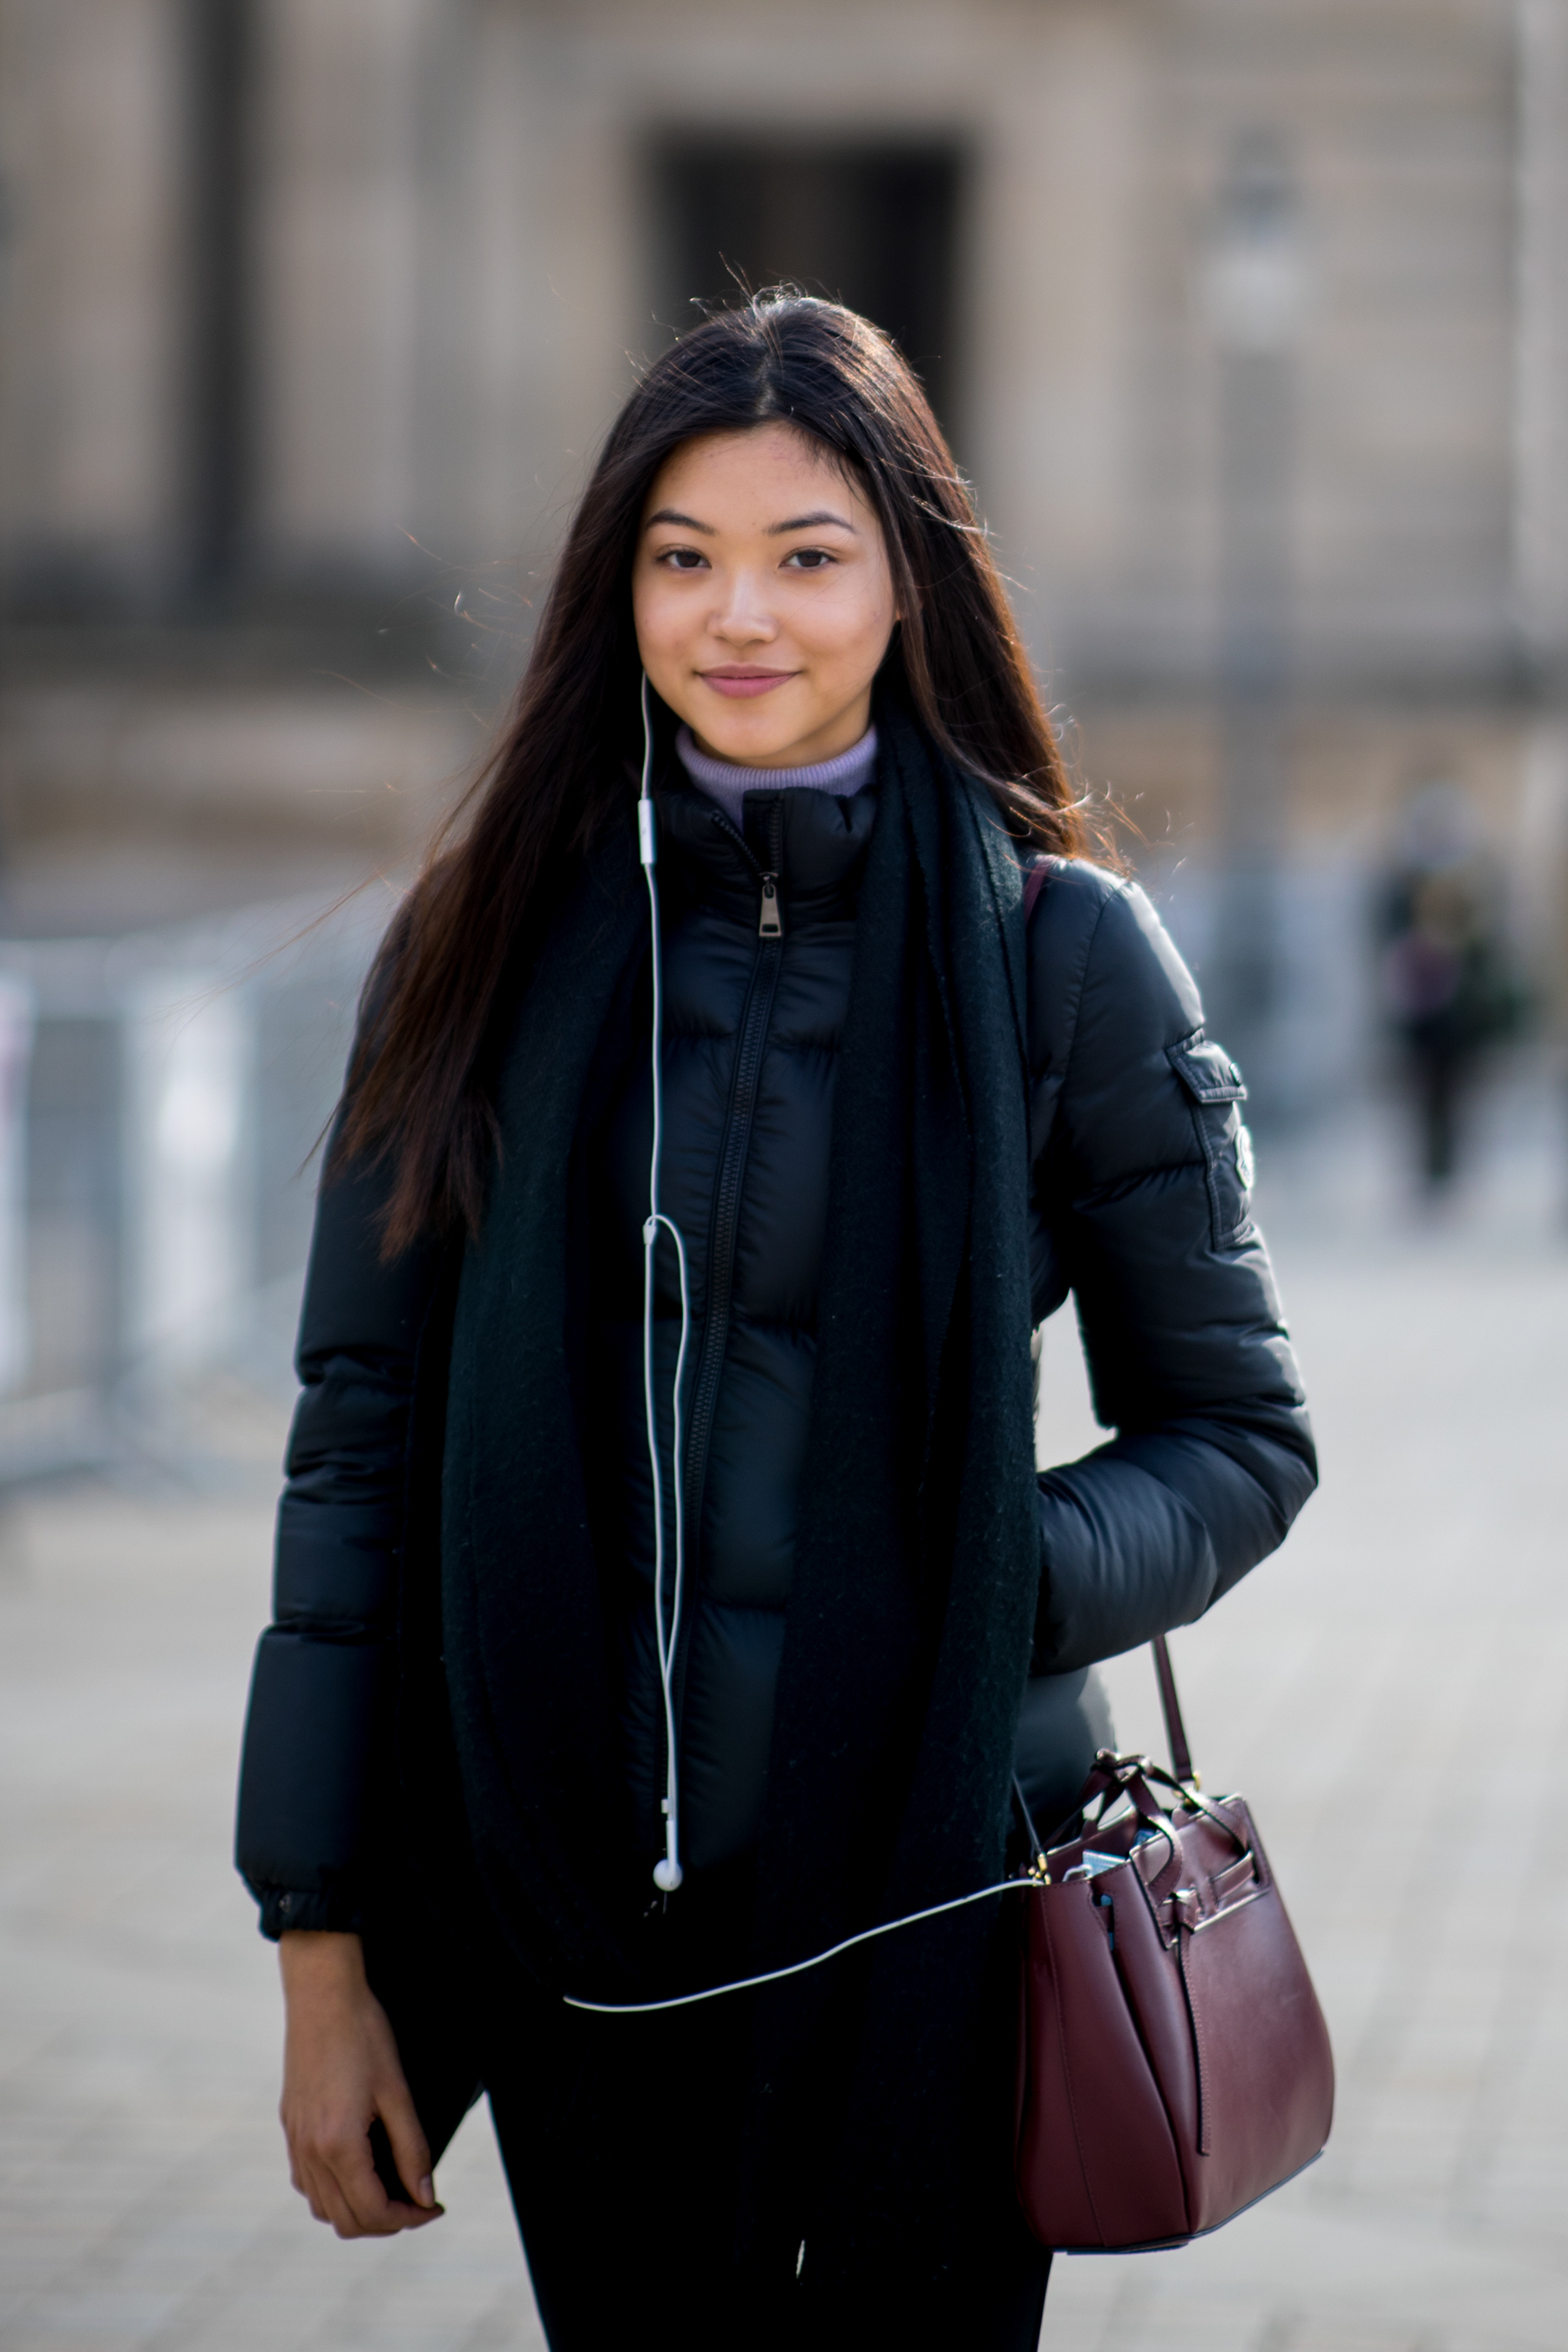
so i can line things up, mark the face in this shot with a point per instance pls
(762, 597)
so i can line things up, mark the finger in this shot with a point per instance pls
(327, 2202)
(299, 2177)
(410, 2149)
(322, 2165)
(358, 2183)
(327, 2179)
(410, 2217)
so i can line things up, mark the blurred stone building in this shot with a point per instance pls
(1250, 318)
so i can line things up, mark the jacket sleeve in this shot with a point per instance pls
(1142, 1175)
(317, 1730)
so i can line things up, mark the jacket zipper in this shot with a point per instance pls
(733, 1151)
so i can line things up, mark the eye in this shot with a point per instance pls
(809, 558)
(682, 559)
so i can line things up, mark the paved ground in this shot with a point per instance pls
(1391, 1692)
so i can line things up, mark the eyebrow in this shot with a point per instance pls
(810, 522)
(776, 530)
(689, 522)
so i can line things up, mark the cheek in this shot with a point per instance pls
(857, 624)
(657, 616)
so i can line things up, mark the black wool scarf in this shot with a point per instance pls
(918, 1559)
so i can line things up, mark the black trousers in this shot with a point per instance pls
(620, 2134)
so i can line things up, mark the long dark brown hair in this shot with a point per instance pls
(418, 1086)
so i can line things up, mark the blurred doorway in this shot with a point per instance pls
(874, 224)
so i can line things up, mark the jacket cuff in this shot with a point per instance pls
(284, 1909)
(1124, 1557)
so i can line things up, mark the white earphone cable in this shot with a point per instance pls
(668, 1874)
(797, 1968)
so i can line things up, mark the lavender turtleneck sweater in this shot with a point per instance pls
(728, 784)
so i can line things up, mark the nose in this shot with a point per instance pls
(741, 617)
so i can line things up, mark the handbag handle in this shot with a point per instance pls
(1184, 1773)
(1171, 1706)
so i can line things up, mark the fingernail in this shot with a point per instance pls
(427, 2191)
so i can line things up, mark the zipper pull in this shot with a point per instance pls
(769, 925)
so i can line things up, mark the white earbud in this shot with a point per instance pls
(668, 1874)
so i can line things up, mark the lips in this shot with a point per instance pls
(741, 682)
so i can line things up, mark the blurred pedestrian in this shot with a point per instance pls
(665, 1592)
(1446, 965)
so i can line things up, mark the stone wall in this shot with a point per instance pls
(451, 255)
(450, 261)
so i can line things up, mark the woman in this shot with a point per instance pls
(923, 1071)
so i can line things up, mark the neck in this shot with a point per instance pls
(726, 782)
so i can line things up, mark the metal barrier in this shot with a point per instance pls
(160, 1099)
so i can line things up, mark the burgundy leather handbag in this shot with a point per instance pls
(1174, 2063)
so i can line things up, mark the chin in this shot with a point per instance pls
(745, 744)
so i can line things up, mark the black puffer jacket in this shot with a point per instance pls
(752, 1029)
(1139, 1206)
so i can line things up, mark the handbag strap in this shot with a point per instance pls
(1171, 1705)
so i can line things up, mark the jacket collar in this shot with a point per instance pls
(815, 843)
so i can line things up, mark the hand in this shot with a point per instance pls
(340, 2071)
